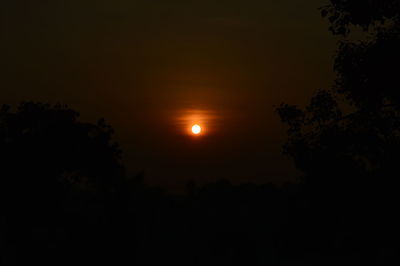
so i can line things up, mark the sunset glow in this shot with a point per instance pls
(192, 122)
(196, 129)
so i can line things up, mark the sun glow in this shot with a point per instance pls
(195, 123)
(196, 129)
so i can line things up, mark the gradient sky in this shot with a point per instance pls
(146, 65)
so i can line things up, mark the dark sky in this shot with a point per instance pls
(146, 66)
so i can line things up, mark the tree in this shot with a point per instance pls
(346, 140)
(46, 152)
(57, 174)
(351, 132)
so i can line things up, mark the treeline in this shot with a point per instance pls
(67, 201)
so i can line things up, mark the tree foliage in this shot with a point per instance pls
(343, 14)
(352, 130)
(45, 152)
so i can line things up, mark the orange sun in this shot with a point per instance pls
(196, 129)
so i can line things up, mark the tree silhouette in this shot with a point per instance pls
(50, 163)
(353, 128)
(43, 144)
(346, 140)
(343, 14)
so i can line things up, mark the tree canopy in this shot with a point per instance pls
(352, 130)
(45, 151)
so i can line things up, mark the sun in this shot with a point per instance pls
(196, 129)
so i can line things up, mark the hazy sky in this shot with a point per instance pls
(145, 64)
